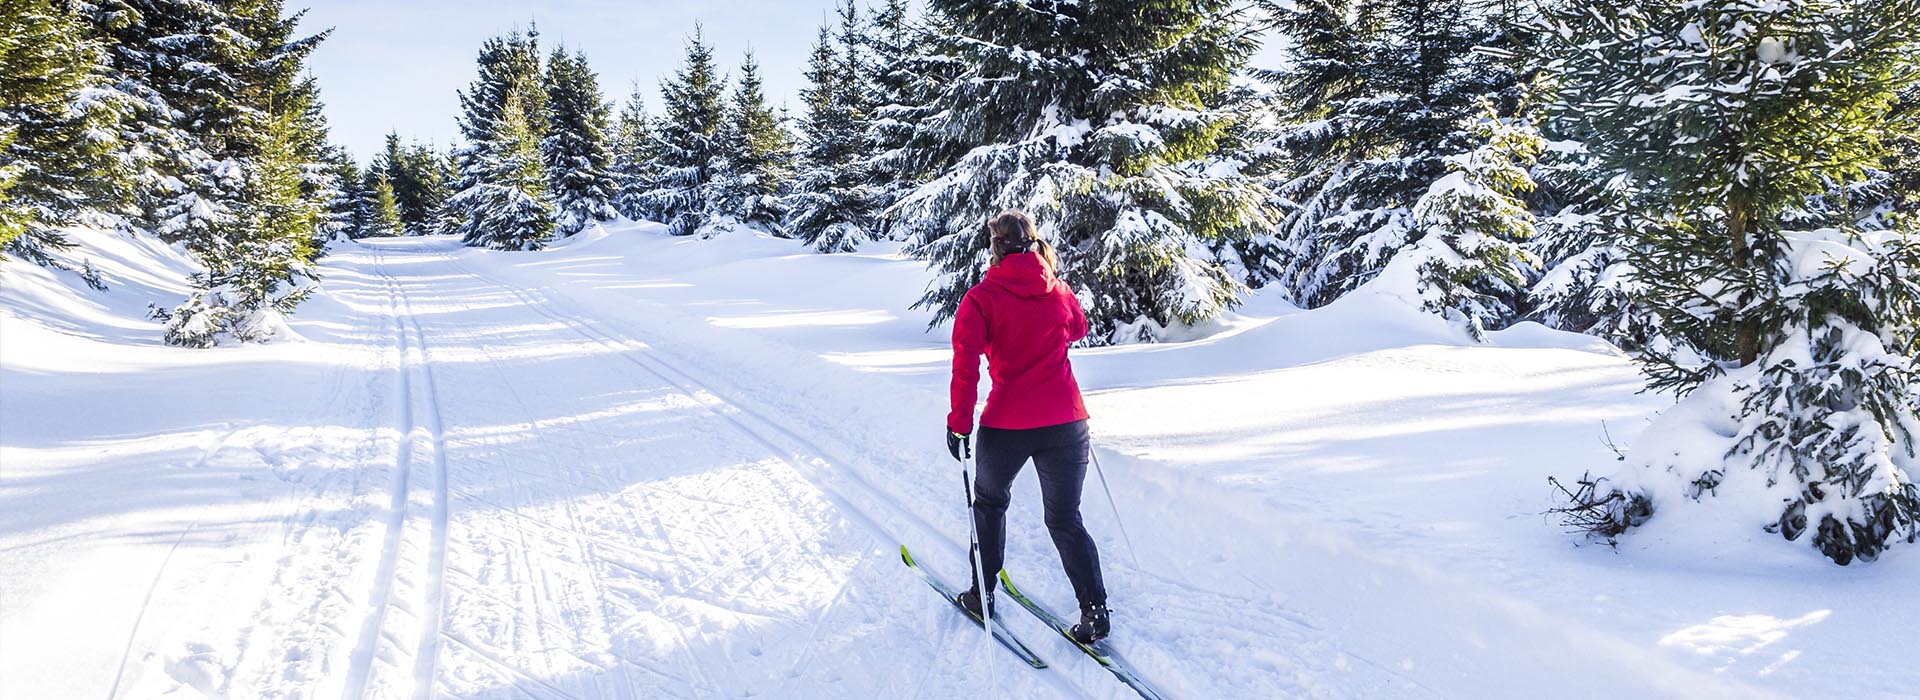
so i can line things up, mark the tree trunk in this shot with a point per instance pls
(1739, 224)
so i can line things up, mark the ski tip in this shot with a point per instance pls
(905, 557)
(1007, 582)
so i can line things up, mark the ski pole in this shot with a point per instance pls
(1110, 504)
(979, 570)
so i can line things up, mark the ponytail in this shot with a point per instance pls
(1045, 250)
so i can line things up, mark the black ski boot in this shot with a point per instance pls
(1094, 623)
(971, 601)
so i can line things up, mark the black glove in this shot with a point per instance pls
(958, 442)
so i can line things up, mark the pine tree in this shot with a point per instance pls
(427, 172)
(1093, 117)
(1752, 129)
(54, 162)
(346, 205)
(1587, 282)
(579, 182)
(892, 41)
(508, 209)
(268, 140)
(756, 156)
(418, 176)
(180, 66)
(831, 205)
(1467, 262)
(688, 142)
(311, 151)
(1381, 88)
(380, 209)
(902, 78)
(188, 120)
(387, 165)
(634, 152)
(1902, 160)
(894, 78)
(500, 198)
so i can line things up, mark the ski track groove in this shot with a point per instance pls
(481, 651)
(428, 654)
(387, 575)
(545, 305)
(292, 630)
(360, 667)
(521, 569)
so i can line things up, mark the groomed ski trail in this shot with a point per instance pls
(641, 466)
(413, 499)
(659, 576)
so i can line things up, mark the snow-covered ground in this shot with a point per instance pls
(636, 466)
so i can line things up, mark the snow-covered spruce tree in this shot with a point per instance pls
(312, 153)
(505, 64)
(687, 142)
(381, 213)
(1245, 148)
(756, 156)
(275, 235)
(905, 69)
(1583, 217)
(500, 186)
(388, 164)
(180, 64)
(426, 176)
(1088, 115)
(508, 209)
(633, 150)
(346, 215)
(1466, 262)
(831, 203)
(1377, 90)
(56, 129)
(579, 182)
(270, 140)
(1747, 126)
(418, 175)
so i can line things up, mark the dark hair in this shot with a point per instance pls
(1012, 233)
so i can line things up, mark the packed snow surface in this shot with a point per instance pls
(636, 466)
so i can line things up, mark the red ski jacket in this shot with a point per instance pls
(1022, 318)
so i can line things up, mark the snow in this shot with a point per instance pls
(1772, 51)
(1812, 253)
(634, 465)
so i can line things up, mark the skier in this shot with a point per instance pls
(1022, 318)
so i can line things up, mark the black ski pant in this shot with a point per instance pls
(1059, 454)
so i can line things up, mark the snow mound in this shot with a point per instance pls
(601, 231)
(137, 273)
(1528, 334)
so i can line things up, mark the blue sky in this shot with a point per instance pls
(396, 64)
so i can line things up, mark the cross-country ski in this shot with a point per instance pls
(1098, 650)
(951, 594)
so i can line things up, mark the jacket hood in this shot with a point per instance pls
(1023, 274)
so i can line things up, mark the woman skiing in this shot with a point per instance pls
(1022, 318)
